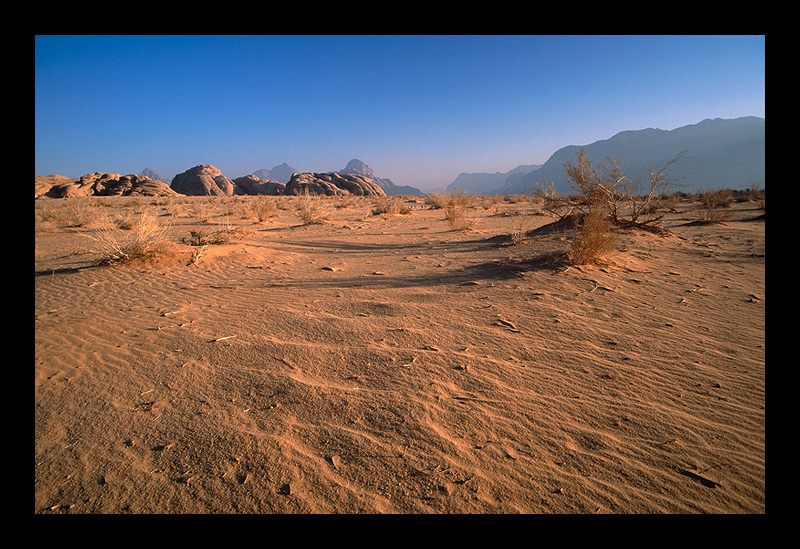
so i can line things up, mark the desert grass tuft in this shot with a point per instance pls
(147, 240)
(260, 207)
(391, 206)
(519, 227)
(72, 212)
(311, 210)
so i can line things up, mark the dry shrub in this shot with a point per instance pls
(457, 217)
(203, 238)
(714, 206)
(519, 227)
(391, 206)
(592, 241)
(71, 212)
(202, 210)
(147, 240)
(262, 208)
(440, 201)
(311, 210)
(627, 203)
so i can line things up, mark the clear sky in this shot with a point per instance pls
(417, 109)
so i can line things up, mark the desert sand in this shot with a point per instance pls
(394, 364)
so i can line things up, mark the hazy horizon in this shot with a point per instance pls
(418, 110)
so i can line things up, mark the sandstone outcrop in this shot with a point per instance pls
(250, 184)
(332, 184)
(203, 180)
(100, 184)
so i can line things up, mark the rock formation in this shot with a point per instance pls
(203, 180)
(101, 184)
(250, 184)
(332, 184)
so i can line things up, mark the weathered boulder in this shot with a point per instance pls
(130, 185)
(332, 184)
(59, 186)
(101, 184)
(250, 184)
(203, 180)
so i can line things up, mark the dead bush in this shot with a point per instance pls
(607, 187)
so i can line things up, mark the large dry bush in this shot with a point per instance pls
(633, 204)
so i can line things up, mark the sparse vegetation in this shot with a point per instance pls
(73, 212)
(440, 201)
(519, 227)
(627, 203)
(146, 240)
(593, 239)
(311, 210)
(202, 210)
(715, 206)
(606, 197)
(391, 206)
(261, 208)
(456, 216)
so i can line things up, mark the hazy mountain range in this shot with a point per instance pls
(718, 153)
(481, 183)
(279, 174)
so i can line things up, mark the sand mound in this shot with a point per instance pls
(389, 364)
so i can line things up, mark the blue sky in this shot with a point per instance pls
(417, 109)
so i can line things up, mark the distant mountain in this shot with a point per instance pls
(150, 173)
(357, 167)
(279, 174)
(719, 153)
(485, 183)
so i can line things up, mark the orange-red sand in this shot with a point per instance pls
(391, 364)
